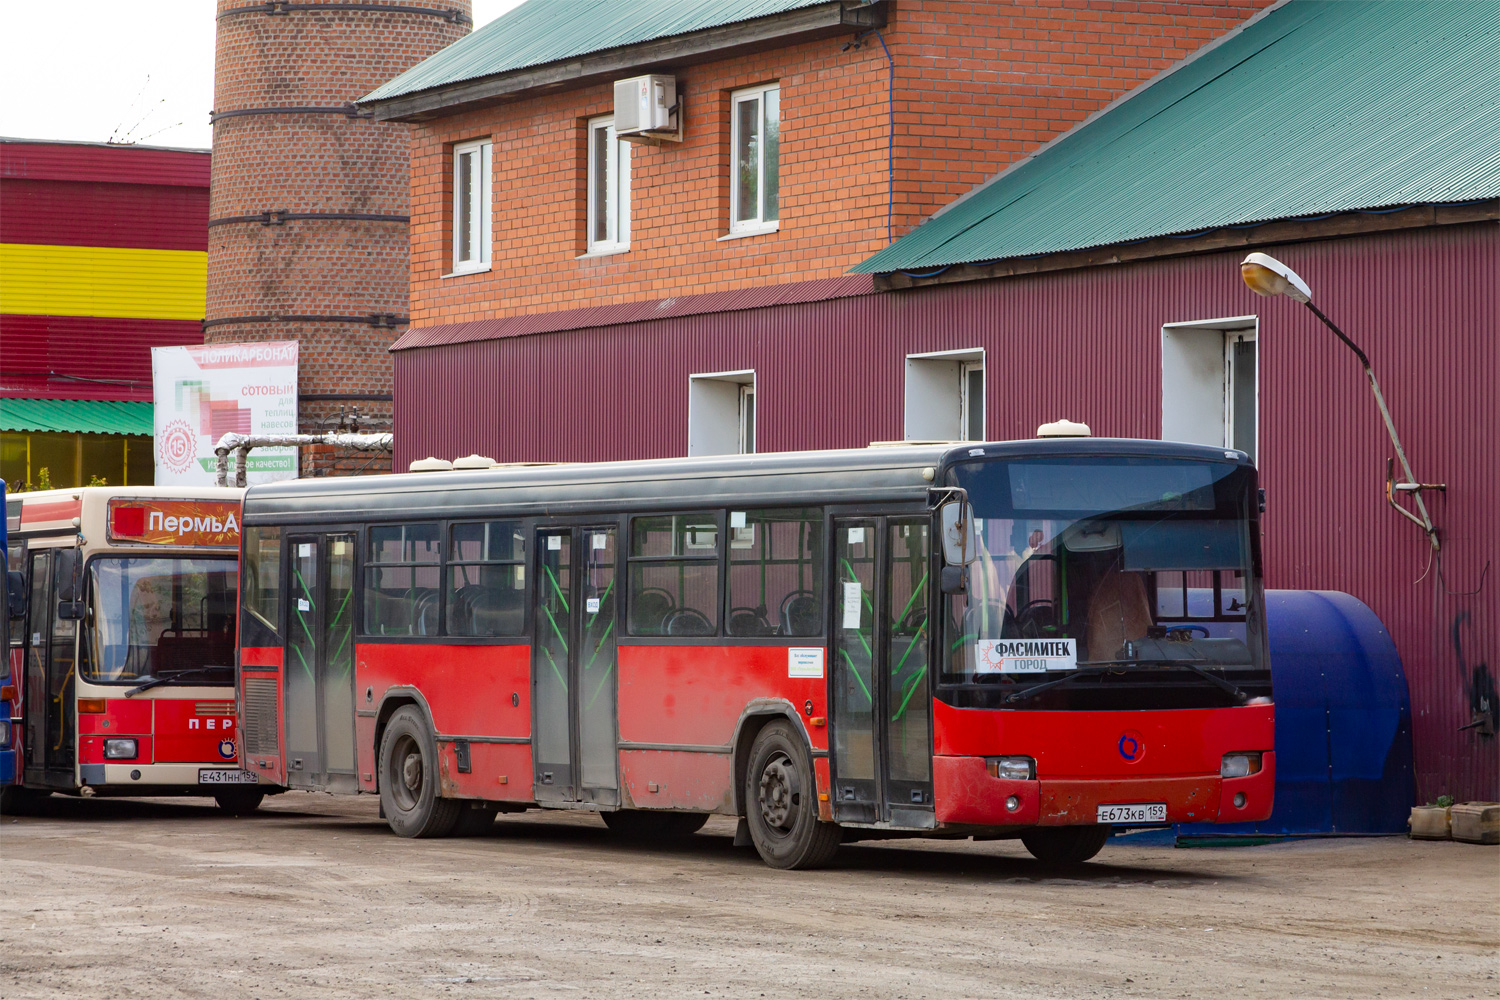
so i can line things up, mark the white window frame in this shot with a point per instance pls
(481, 234)
(1197, 379)
(719, 422)
(758, 224)
(937, 394)
(617, 190)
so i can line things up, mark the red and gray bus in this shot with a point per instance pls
(1047, 639)
(121, 643)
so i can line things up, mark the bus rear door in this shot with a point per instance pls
(882, 700)
(319, 696)
(573, 667)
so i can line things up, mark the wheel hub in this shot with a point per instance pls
(778, 793)
(411, 772)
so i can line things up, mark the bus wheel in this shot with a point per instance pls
(239, 801)
(641, 824)
(409, 779)
(1065, 845)
(781, 802)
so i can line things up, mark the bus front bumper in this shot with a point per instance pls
(965, 794)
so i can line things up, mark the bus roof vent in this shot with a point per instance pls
(1064, 429)
(473, 462)
(430, 464)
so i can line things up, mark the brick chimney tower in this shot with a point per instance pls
(309, 200)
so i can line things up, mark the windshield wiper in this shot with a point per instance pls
(1093, 668)
(174, 675)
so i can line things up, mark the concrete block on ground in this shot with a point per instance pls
(1476, 822)
(1430, 823)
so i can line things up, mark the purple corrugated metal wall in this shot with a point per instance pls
(1086, 344)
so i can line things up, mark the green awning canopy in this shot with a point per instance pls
(76, 416)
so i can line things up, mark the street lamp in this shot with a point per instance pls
(1268, 276)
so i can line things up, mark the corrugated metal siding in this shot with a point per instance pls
(98, 163)
(544, 31)
(1085, 344)
(1316, 107)
(156, 216)
(106, 358)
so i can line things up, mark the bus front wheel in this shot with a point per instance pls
(1065, 845)
(781, 802)
(409, 779)
(239, 801)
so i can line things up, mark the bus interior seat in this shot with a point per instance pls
(649, 610)
(687, 621)
(987, 620)
(749, 621)
(424, 613)
(799, 613)
(1119, 612)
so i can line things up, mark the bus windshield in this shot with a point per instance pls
(1109, 583)
(159, 617)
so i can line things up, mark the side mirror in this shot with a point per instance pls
(70, 611)
(955, 579)
(67, 575)
(960, 543)
(15, 593)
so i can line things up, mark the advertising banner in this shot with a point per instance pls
(203, 393)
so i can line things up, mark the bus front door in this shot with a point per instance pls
(882, 702)
(319, 695)
(573, 667)
(50, 715)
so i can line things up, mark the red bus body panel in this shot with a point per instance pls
(167, 731)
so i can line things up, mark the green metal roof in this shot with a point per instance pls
(1316, 107)
(544, 31)
(76, 416)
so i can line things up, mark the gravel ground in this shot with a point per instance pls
(314, 897)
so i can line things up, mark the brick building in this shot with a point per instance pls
(102, 249)
(887, 111)
(309, 197)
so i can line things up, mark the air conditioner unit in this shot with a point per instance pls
(646, 108)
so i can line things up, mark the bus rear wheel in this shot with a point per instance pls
(781, 802)
(639, 824)
(409, 779)
(1065, 845)
(239, 801)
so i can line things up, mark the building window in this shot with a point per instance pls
(721, 413)
(754, 198)
(945, 396)
(471, 206)
(609, 188)
(1209, 389)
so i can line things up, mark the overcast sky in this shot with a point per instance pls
(98, 70)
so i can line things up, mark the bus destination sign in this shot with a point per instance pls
(207, 523)
(1025, 656)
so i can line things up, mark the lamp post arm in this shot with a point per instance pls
(1385, 414)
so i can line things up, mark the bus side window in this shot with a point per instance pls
(262, 576)
(486, 576)
(775, 572)
(674, 575)
(401, 580)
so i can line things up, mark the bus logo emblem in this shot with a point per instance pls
(226, 749)
(1132, 746)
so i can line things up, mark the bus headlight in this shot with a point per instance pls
(120, 749)
(4, 732)
(1011, 768)
(1239, 765)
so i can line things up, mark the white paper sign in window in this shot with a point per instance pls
(804, 661)
(853, 601)
(1025, 656)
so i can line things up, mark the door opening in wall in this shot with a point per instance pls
(1210, 383)
(945, 396)
(721, 413)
